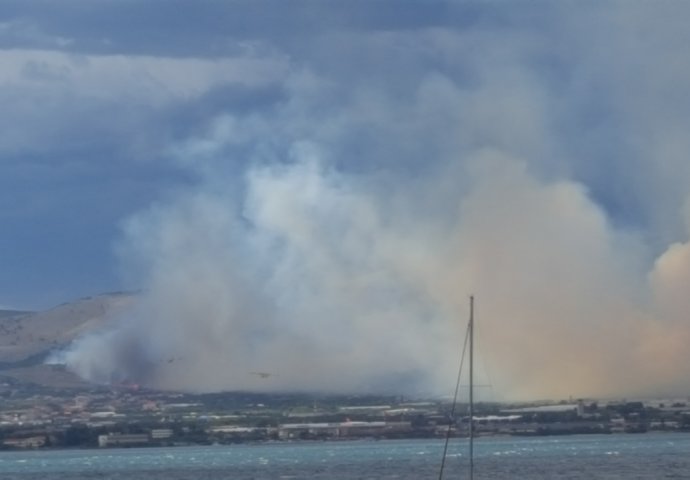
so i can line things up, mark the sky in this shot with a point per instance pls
(314, 189)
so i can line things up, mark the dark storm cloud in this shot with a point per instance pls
(210, 28)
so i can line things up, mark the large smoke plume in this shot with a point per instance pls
(334, 235)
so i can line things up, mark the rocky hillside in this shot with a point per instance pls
(28, 338)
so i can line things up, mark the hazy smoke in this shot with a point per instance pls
(333, 239)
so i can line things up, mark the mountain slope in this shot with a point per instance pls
(27, 338)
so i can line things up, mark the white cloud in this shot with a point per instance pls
(53, 98)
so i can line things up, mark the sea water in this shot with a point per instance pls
(642, 456)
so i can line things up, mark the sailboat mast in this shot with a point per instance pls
(471, 422)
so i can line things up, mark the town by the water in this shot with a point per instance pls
(107, 417)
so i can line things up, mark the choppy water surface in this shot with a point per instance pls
(649, 456)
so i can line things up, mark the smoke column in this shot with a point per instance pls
(333, 237)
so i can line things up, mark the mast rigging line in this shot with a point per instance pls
(455, 398)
